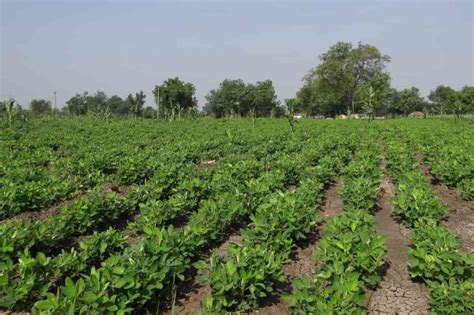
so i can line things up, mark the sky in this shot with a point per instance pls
(120, 47)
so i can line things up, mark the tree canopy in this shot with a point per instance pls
(342, 78)
(236, 98)
(174, 97)
(100, 104)
(40, 107)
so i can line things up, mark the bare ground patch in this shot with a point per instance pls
(205, 164)
(42, 214)
(461, 215)
(396, 293)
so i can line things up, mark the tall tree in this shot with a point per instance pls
(234, 97)
(344, 70)
(227, 99)
(260, 99)
(175, 96)
(40, 107)
(77, 105)
(136, 103)
(118, 106)
(407, 101)
(442, 97)
(83, 104)
(466, 97)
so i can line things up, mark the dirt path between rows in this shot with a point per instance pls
(461, 212)
(396, 293)
(302, 262)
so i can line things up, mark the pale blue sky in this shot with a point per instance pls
(127, 46)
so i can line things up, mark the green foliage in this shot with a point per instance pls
(344, 70)
(174, 97)
(234, 98)
(452, 297)
(434, 256)
(351, 244)
(40, 107)
(342, 295)
(415, 202)
(244, 277)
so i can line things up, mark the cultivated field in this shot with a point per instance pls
(210, 216)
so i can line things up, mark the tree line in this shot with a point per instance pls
(348, 79)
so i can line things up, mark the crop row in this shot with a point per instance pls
(149, 269)
(448, 150)
(146, 272)
(351, 254)
(171, 194)
(434, 256)
(247, 274)
(49, 163)
(217, 213)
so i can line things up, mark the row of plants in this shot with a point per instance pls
(351, 254)
(434, 255)
(145, 273)
(248, 273)
(38, 240)
(448, 151)
(168, 186)
(174, 191)
(59, 160)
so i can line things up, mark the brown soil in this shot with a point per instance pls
(461, 215)
(42, 214)
(205, 164)
(116, 188)
(396, 293)
(302, 262)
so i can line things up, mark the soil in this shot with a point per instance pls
(42, 214)
(396, 293)
(205, 164)
(461, 216)
(116, 188)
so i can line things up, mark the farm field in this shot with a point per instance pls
(214, 216)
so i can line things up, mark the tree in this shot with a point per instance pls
(369, 103)
(332, 87)
(466, 97)
(149, 112)
(118, 106)
(234, 97)
(260, 99)
(442, 97)
(175, 96)
(227, 99)
(77, 105)
(379, 90)
(407, 101)
(293, 105)
(40, 107)
(83, 104)
(136, 103)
